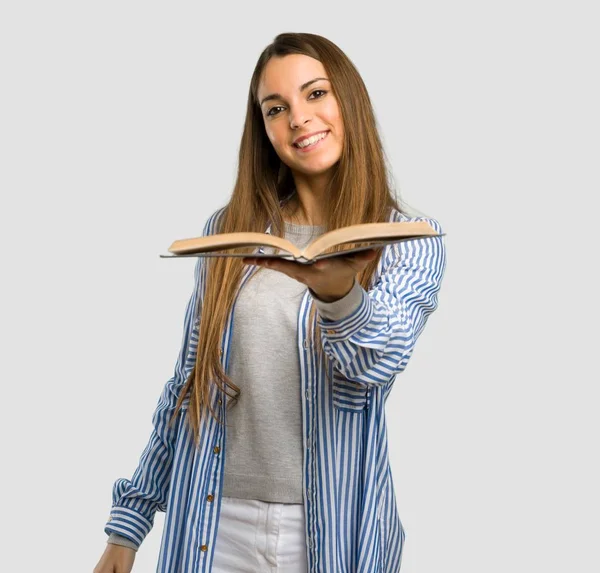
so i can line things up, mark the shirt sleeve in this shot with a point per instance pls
(136, 500)
(370, 336)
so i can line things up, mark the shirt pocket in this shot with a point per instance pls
(350, 396)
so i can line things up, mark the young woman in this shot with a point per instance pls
(269, 449)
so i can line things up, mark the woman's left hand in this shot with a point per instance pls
(330, 279)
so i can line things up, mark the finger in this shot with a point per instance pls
(355, 257)
(366, 254)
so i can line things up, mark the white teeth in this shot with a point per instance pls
(311, 140)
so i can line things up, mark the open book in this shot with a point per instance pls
(370, 235)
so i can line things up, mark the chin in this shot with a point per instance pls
(315, 167)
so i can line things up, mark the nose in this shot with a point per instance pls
(299, 116)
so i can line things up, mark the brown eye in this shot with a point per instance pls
(273, 108)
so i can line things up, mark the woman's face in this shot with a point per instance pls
(297, 100)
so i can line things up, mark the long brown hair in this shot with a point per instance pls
(359, 192)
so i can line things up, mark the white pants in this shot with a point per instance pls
(257, 536)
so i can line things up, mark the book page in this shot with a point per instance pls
(367, 232)
(222, 241)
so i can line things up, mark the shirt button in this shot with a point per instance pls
(209, 498)
(331, 332)
(110, 518)
(220, 401)
(216, 449)
(204, 548)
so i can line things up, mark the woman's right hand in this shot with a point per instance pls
(115, 559)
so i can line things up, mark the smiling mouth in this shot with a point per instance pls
(311, 142)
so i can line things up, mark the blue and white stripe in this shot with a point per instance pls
(352, 523)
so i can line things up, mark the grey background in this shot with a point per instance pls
(119, 131)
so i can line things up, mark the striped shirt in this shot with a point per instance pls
(352, 522)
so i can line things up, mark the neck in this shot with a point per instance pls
(307, 207)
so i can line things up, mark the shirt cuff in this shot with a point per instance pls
(128, 523)
(343, 307)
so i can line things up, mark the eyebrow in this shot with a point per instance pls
(301, 88)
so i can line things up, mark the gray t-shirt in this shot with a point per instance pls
(264, 450)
